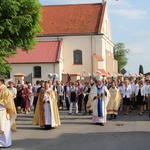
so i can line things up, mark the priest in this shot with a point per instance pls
(7, 115)
(114, 102)
(46, 112)
(100, 97)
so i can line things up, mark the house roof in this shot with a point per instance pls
(19, 74)
(103, 72)
(72, 19)
(99, 58)
(44, 52)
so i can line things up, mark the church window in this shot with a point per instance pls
(37, 71)
(77, 55)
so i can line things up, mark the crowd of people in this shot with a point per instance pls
(101, 98)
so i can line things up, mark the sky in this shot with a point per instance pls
(130, 24)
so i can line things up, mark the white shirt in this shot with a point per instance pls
(147, 89)
(126, 91)
(34, 89)
(13, 91)
(143, 92)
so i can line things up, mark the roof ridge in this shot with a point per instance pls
(71, 4)
(101, 18)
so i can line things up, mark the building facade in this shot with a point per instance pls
(84, 44)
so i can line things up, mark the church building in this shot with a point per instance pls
(76, 40)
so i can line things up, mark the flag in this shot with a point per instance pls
(130, 74)
(109, 73)
(83, 73)
(98, 72)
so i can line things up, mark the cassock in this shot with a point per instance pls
(114, 101)
(100, 104)
(7, 116)
(47, 113)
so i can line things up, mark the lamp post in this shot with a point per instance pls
(52, 76)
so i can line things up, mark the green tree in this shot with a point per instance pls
(141, 70)
(120, 55)
(19, 26)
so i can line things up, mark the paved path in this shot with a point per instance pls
(77, 132)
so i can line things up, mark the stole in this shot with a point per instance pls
(100, 112)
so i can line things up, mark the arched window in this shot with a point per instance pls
(77, 55)
(37, 71)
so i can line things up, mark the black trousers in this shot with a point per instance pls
(60, 101)
(80, 98)
(67, 102)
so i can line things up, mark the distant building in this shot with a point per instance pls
(76, 39)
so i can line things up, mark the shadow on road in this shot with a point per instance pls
(88, 141)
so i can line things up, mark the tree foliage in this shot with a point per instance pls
(120, 55)
(141, 70)
(19, 25)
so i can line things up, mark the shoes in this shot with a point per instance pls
(48, 127)
(21, 111)
(102, 124)
(140, 114)
(125, 113)
(70, 114)
(90, 112)
(110, 118)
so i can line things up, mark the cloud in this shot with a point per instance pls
(135, 48)
(135, 60)
(142, 34)
(130, 13)
(119, 3)
(120, 27)
(139, 46)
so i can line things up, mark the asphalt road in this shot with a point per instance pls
(77, 132)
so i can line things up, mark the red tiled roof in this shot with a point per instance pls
(43, 52)
(99, 58)
(72, 19)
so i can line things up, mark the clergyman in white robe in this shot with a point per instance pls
(5, 138)
(104, 99)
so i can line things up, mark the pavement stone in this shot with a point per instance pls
(77, 132)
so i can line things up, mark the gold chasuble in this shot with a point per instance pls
(6, 100)
(89, 105)
(114, 102)
(39, 118)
